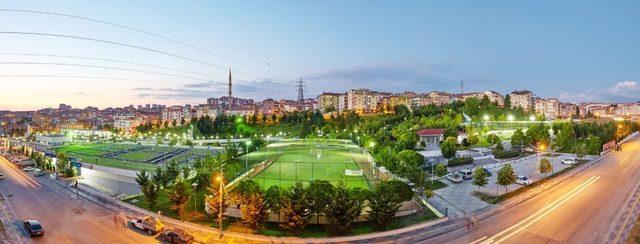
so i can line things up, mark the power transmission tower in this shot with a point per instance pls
(300, 87)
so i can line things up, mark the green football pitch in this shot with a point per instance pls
(291, 161)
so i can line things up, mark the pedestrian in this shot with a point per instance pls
(75, 185)
(467, 223)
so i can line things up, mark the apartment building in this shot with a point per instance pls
(550, 107)
(522, 99)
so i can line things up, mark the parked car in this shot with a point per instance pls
(33, 228)
(487, 172)
(176, 236)
(28, 168)
(523, 180)
(1, 176)
(466, 174)
(454, 177)
(148, 224)
(569, 161)
(38, 172)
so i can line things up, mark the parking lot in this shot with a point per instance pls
(457, 198)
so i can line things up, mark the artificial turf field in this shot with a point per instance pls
(306, 160)
(94, 153)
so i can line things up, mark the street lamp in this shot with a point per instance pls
(485, 117)
(532, 118)
(195, 196)
(219, 180)
(246, 151)
(510, 117)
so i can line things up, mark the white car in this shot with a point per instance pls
(569, 161)
(466, 174)
(454, 177)
(29, 168)
(523, 180)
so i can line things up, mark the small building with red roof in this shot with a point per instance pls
(431, 138)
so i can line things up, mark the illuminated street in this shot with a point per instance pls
(65, 217)
(582, 209)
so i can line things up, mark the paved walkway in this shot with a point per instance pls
(9, 233)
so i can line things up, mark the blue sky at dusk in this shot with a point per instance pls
(579, 51)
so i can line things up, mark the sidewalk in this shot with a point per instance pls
(10, 229)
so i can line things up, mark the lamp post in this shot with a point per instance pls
(195, 196)
(219, 179)
(246, 152)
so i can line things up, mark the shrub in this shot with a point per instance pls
(459, 161)
(500, 154)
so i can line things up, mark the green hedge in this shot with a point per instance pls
(459, 161)
(499, 154)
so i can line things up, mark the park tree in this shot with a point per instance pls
(172, 171)
(480, 178)
(507, 101)
(407, 141)
(594, 144)
(178, 197)
(385, 200)
(409, 159)
(565, 137)
(518, 139)
(448, 147)
(472, 106)
(402, 111)
(506, 177)
(251, 199)
(295, 209)
(143, 179)
(545, 166)
(440, 170)
(580, 149)
(151, 193)
(320, 194)
(343, 209)
(217, 200)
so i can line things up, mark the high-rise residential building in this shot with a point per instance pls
(567, 110)
(522, 99)
(330, 100)
(550, 107)
(363, 101)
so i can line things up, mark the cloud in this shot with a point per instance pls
(624, 86)
(385, 77)
(623, 91)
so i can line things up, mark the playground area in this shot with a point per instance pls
(289, 161)
(132, 156)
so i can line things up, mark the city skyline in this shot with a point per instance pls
(333, 46)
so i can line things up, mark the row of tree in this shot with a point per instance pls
(339, 205)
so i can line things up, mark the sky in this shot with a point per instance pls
(122, 52)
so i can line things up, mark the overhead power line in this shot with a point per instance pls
(88, 77)
(113, 43)
(132, 29)
(106, 60)
(108, 67)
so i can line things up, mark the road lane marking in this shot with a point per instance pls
(479, 240)
(545, 213)
(542, 209)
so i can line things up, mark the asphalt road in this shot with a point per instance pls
(66, 217)
(586, 208)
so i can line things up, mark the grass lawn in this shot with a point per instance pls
(302, 160)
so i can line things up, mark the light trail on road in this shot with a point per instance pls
(539, 214)
(20, 175)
